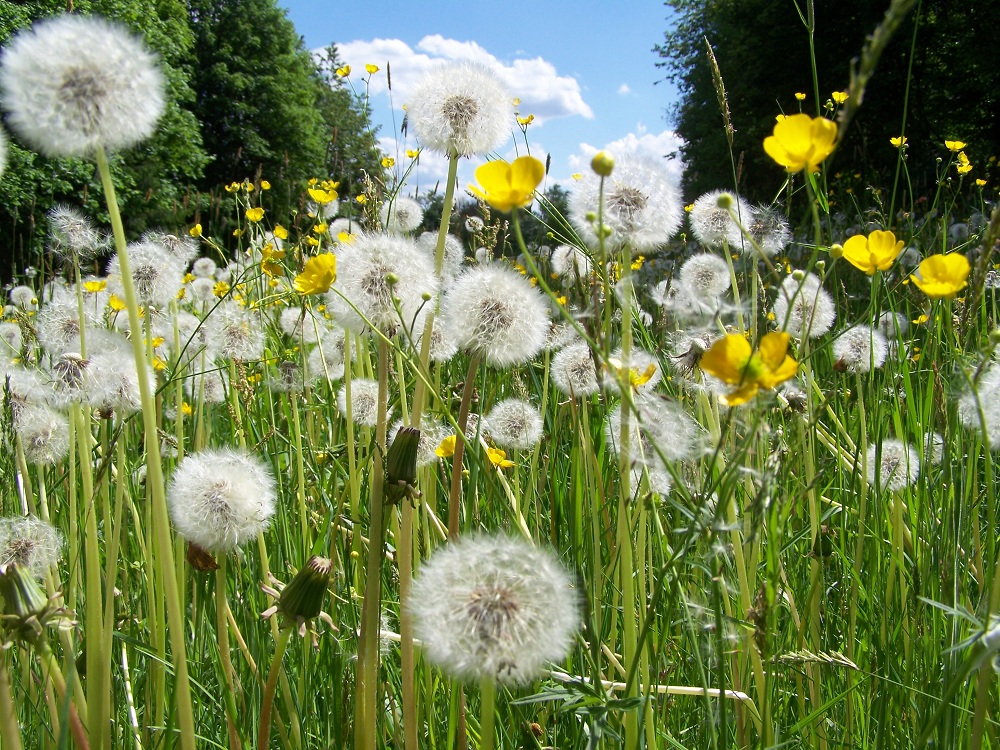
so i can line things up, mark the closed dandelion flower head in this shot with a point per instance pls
(892, 465)
(641, 204)
(221, 499)
(769, 229)
(73, 235)
(71, 84)
(860, 349)
(706, 276)
(493, 312)
(515, 423)
(573, 372)
(365, 268)
(804, 308)
(31, 543)
(494, 608)
(461, 108)
(401, 215)
(363, 404)
(156, 274)
(712, 225)
(432, 433)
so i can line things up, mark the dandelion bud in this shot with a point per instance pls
(25, 606)
(798, 275)
(426, 296)
(836, 251)
(724, 201)
(603, 163)
(302, 599)
(821, 265)
(401, 465)
(590, 217)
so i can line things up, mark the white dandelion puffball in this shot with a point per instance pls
(363, 403)
(515, 423)
(804, 308)
(156, 274)
(893, 465)
(659, 430)
(462, 108)
(713, 225)
(72, 235)
(401, 215)
(769, 230)
(44, 433)
(494, 608)
(454, 254)
(573, 372)
(31, 543)
(641, 366)
(72, 84)
(570, 262)
(860, 349)
(495, 313)
(363, 296)
(979, 409)
(235, 333)
(641, 204)
(221, 499)
(706, 276)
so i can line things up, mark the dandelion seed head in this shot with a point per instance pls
(570, 262)
(493, 312)
(58, 326)
(235, 333)
(494, 608)
(804, 308)
(515, 423)
(300, 325)
(157, 276)
(362, 270)
(11, 341)
(893, 465)
(204, 268)
(72, 235)
(769, 229)
(211, 386)
(44, 433)
(706, 276)
(454, 255)
(401, 215)
(181, 249)
(893, 325)
(860, 349)
(221, 499)
(364, 401)
(572, 371)
(660, 430)
(713, 225)
(30, 543)
(24, 297)
(72, 83)
(202, 289)
(112, 383)
(639, 364)
(461, 108)
(326, 360)
(641, 205)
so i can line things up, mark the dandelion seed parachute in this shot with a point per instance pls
(494, 312)
(804, 308)
(461, 108)
(71, 84)
(221, 499)
(181, 249)
(660, 430)
(494, 608)
(204, 267)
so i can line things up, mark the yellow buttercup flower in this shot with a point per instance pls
(498, 458)
(980, 183)
(733, 361)
(506, 186)
(839, 96)
(372, 69)
(317, 275)
(221, 289)
(265, 185)
(93, 287)
(412, 153)
(963, 166)
(321, 196)
(876, 252)
(388, 162)
(801, 142)
(524, 121)
(116, 303)
(195, 231)
(899, 141)
(344, 71)
(800, 96)
(280, 232)
(942, 275)
(255, 214)
(955, 146)
(446, 449)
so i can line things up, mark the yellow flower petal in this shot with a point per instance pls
(942, 276)
(318, 274)
(446, 449)
(727, 358)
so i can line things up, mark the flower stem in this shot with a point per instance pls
(455, 500)
(154, 471)
(267, 703)
(487, 714)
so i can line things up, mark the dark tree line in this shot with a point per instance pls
(245, 99)
(944, 49)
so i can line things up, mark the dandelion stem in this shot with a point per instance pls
(267, 703)
(455, 499)
(487, 714)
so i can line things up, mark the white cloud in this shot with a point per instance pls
(657, 145)
(624, 89)
(535, 81)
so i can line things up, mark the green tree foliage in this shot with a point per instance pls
(152, 178)
(763, 51)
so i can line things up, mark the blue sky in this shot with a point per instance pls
(584, 68)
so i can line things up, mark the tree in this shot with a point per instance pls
(762, 48)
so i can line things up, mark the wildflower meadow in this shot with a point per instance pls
(638, 470)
